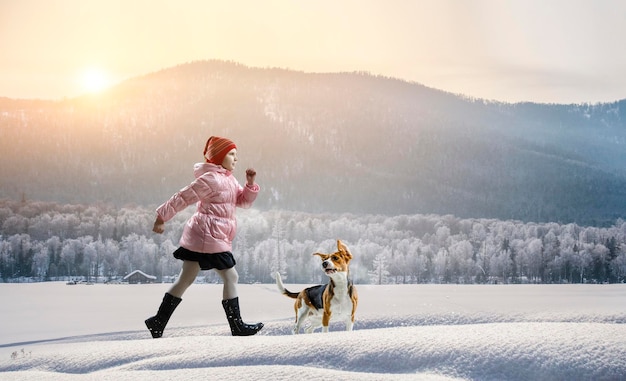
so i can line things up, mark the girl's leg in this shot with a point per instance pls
(230, 303)
(187, 276)
(156, 324)
(230, 277)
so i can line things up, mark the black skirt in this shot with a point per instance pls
(218, 261)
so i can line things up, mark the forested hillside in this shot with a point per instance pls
(338, 143)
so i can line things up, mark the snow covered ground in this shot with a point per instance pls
(55, 332)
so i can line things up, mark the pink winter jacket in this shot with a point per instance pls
(217, 193)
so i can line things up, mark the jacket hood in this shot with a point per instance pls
(200, 169)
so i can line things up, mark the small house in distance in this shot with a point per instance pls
(138, 277)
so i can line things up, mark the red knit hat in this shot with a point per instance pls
(216, 149)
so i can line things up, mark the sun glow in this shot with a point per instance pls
(94, 80)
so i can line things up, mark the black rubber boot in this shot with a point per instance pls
(157, 323)
(237, 326)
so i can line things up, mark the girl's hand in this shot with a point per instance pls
(250, 175)
(159, 226)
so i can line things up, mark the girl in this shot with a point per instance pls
(206, 242)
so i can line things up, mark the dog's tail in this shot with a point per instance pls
(282, 289)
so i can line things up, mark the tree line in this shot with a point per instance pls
(43, 241)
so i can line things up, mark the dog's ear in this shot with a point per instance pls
(322, 255)
(343, 249)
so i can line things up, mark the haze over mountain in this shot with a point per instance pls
(340, 142)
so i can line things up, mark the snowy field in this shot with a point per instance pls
(55, 332)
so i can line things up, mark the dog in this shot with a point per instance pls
(335, 300)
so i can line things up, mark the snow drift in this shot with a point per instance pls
(418, 332)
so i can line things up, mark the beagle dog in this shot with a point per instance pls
(335, 300)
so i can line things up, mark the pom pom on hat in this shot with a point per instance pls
(216, 149)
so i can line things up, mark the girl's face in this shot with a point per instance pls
(230, 160)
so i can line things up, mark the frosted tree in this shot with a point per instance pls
(501, 265)
(110, 259)
(380, 273)
(41, 262)
(91, 261)
(15, 224)
(244, 253)
(68, 256)
(440, 265)
(618, 266)
(6, 259)
(478, 235)
(552, 248)
(461, 265)
(170, 266)
(278, 255)
(54, 247)
(532, 258)
(582, 261)
(566, 260)
(39, 227)
(107, 227)
(345, 229)
(301, 265)
(404, 261)
(600, 258)
(488, 250)
(442, 236)
(261, 268)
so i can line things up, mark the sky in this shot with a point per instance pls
(402, 332)
(546, 51)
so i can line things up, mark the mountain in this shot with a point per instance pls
(334, 142)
